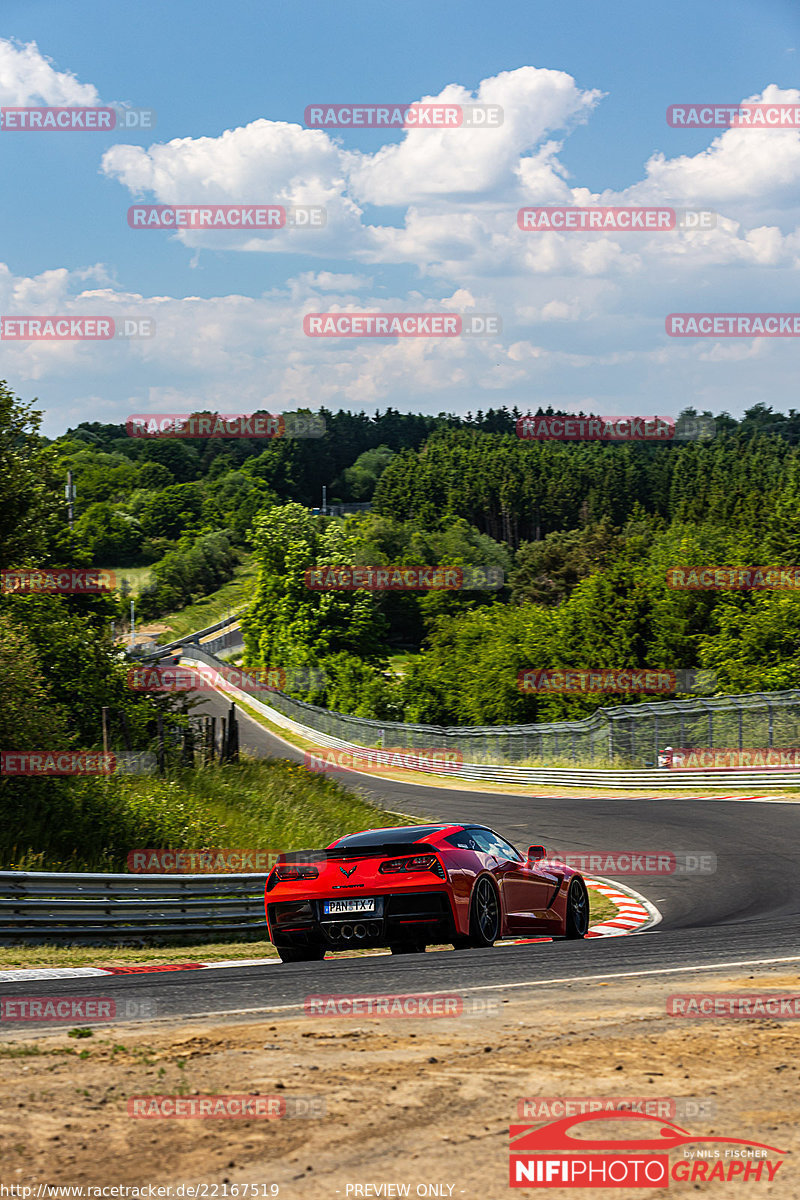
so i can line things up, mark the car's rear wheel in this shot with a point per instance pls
(407, 947)
(484, 918)
(290, 954)
(577, 922)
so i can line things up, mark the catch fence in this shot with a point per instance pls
(624, 735)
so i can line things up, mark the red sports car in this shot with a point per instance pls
(416, 885)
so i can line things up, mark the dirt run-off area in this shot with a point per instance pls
(422, 1103)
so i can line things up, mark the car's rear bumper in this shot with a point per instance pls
(403, 917)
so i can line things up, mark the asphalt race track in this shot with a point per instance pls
(744, 914)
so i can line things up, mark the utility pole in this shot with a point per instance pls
(69, 492)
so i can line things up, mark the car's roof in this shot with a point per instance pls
(395, 834)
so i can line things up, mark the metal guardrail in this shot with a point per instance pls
(230, 640)
(190, 638)
(92, 908)
(626, 779)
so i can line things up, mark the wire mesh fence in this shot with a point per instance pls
(620, 735)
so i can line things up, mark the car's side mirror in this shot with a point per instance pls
(536, 852)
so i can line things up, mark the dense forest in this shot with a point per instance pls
(582, 534)
(585, 534)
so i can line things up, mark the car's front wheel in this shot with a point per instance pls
(484, 918)
(290, 954)
(577, 922)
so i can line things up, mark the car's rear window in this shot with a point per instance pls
(389, 837)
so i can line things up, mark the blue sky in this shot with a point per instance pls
(410, 230)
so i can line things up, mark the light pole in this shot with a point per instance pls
(69, 492)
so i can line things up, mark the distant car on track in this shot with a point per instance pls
(413, 886)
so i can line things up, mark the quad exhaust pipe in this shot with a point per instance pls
(354, 933)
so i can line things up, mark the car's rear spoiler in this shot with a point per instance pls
(336, 853)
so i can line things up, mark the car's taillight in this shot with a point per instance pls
(420, 862)
(290, 872)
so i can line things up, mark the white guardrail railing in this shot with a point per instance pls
(417, 760)
(86, 907)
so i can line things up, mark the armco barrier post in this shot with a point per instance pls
(160, 738)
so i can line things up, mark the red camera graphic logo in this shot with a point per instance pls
(553, 1156)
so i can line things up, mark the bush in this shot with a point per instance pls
(190, 570)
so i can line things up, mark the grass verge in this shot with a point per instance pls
(272, 804)
(214, 607)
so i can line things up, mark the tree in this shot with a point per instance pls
(29, 504)
(113, 536)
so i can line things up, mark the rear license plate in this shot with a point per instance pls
(331, 907)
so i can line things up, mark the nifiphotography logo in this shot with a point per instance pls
(554, 1155)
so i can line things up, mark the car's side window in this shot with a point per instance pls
(492, 843)
(463, 840)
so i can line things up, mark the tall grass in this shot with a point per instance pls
(92, 824)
